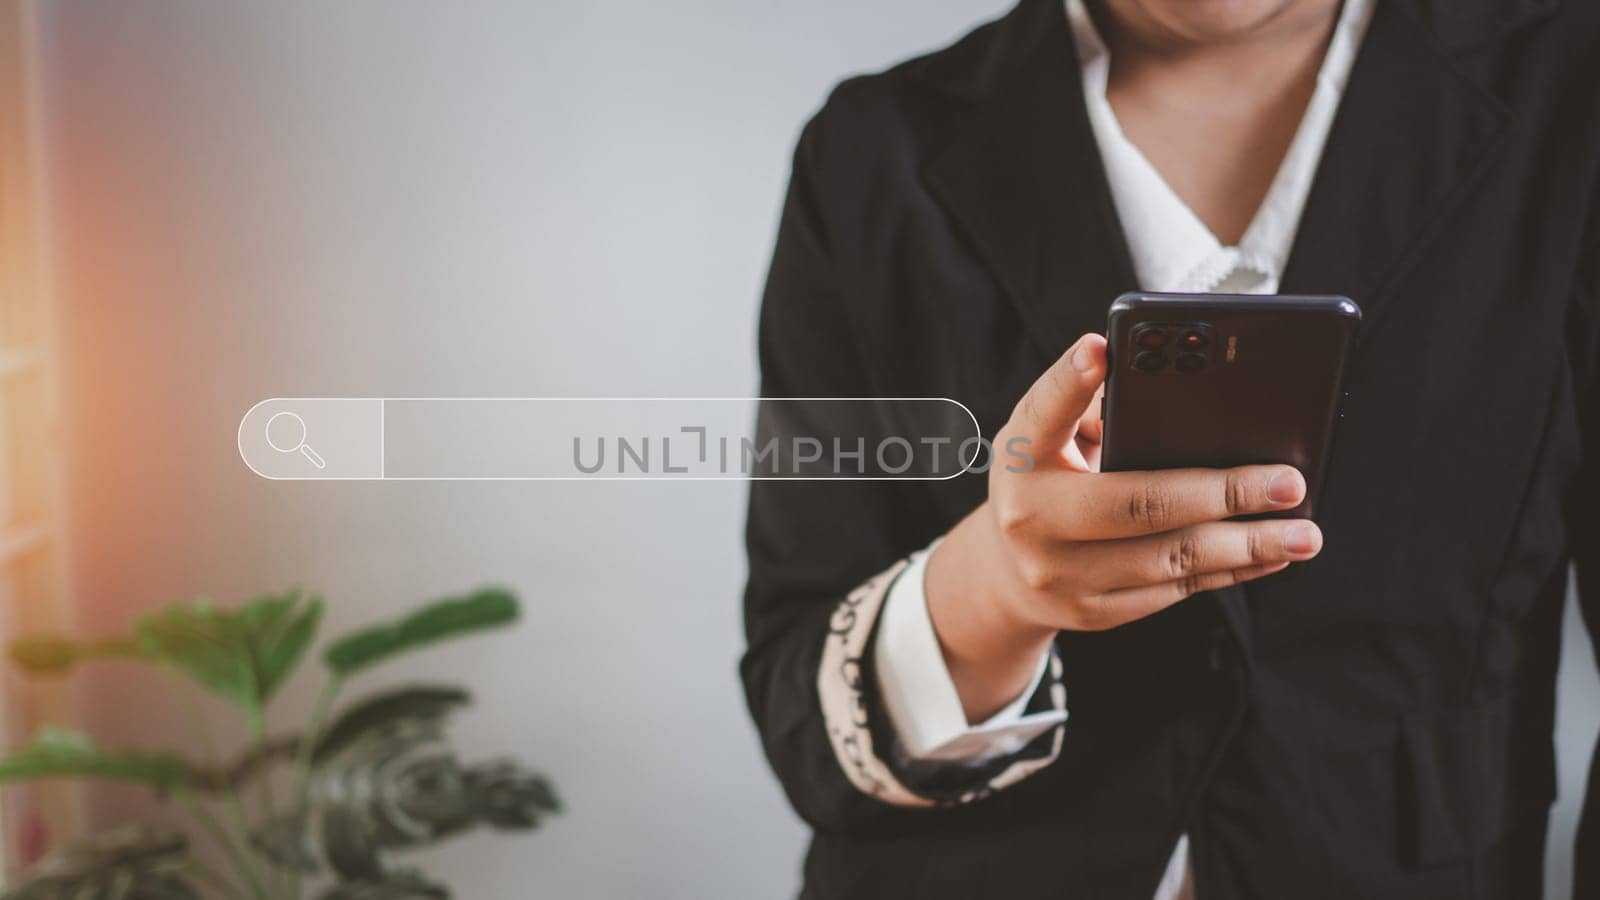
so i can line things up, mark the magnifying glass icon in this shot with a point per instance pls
(292, 431)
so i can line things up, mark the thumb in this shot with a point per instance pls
(1048, 413)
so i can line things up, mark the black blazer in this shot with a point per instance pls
(1375, 723)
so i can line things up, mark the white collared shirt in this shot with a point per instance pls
(1172, 250)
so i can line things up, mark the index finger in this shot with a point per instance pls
(1128, 504)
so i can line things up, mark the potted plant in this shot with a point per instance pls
(331, 803)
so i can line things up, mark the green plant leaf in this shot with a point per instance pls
(201, 641)
(372, 713)
(60, 753)
(437, 621)
(243, 655)
(50, 655)
(281, 640)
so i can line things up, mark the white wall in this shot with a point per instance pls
(400, 198)
(1577, 722)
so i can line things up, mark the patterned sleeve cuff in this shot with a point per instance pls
(848, 714)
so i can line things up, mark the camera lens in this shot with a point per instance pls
(1193, 339)
(1150, 337)
(1150, 361)
(1190, 363)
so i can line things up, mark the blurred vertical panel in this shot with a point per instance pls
(32, 573)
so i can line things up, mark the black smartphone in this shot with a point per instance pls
(1221, 380)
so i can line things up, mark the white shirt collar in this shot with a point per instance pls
(1172, 249)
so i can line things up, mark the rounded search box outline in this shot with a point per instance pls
(977, 432)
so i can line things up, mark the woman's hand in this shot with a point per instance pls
(1060, 545)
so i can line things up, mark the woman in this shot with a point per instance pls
(1061, 683)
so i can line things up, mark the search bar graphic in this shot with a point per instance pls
(610, 439)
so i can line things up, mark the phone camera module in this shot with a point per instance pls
(1150, 337)
(1150, 361)
(1193, 339)
(1190, 363)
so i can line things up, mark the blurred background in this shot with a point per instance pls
(209, 204)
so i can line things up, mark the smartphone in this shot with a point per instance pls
(1222, 380)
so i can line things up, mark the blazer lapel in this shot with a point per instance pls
(1410, 141)
(1025, 183)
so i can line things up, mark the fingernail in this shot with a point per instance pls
(1284, 488)
(1082, 359)
(1300, 540)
